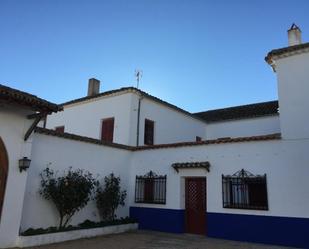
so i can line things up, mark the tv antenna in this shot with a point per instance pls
(138, 75)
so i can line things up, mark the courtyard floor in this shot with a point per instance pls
(154, 240)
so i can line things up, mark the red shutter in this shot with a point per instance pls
(148, 190)
(198, 139)
(60, 129)
(108, 130)
(149, 132)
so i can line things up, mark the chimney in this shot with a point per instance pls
(294, 35)
(93, 87)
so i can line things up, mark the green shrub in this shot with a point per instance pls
(110, 197)
(70, 192)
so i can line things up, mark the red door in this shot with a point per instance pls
(195, 213)
(3, 172)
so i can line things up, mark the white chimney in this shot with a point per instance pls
(294, 35)
(93, 87)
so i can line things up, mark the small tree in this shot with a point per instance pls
(110, 197)
(70, 192)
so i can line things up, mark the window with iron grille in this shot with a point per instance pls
(150, 188)
(244, 190)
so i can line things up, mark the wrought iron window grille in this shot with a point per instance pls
(244, 190)
(150, 188)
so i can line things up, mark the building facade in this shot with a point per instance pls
(237, 173)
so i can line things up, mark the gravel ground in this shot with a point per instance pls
(154, 240)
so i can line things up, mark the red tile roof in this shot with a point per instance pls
(133, 89)
(14, 96)
(191, 165)
(287, 50)
(158, 146)
(80, 138)
(213, 141)
(240, 112)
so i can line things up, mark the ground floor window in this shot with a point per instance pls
(150, 188)
(245, 191)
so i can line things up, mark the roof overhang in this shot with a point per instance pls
(191, 165)
(280, 53)
(13, 96)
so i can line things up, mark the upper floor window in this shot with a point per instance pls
(60, 129)
(149, 132)
(245, 191)
(107, 133)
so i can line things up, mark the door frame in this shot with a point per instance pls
(4, 163)
(186, 194)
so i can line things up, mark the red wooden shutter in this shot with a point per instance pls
(149, 132)
(198, 139)
(148, 190)
(108, 130)
(60, 129)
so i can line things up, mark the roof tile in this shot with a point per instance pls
(240, 112)
(12, 95)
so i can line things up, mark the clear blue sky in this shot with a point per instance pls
(198, 55)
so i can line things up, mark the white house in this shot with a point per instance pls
(19, 114)
(123, 115)
(237, 173)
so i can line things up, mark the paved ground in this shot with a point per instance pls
(154, 240)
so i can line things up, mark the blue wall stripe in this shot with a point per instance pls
(286, 231)
(159, 219)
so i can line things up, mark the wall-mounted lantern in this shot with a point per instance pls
(24, 164)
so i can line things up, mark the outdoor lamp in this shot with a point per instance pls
(24, 164)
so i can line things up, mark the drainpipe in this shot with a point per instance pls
(138, 118)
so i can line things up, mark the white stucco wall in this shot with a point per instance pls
(293, 88)
(14, 125)
(284, 162)
(243, 127)
(61, 154)
(170, 126)
(86, 118)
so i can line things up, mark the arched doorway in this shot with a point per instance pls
(3, 173)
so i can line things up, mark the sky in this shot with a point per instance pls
(196, 54)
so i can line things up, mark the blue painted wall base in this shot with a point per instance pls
(159, 219)
(286, 231)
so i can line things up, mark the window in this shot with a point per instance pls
(107, 130)
(149, 131)
(245, 191)
(59, 129)
(198, 139)
(150, 188)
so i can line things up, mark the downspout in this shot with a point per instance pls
(138, 119)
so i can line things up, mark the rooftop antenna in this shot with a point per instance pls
(138, 74)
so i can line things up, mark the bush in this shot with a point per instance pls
(110, 197)
(70, 192)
